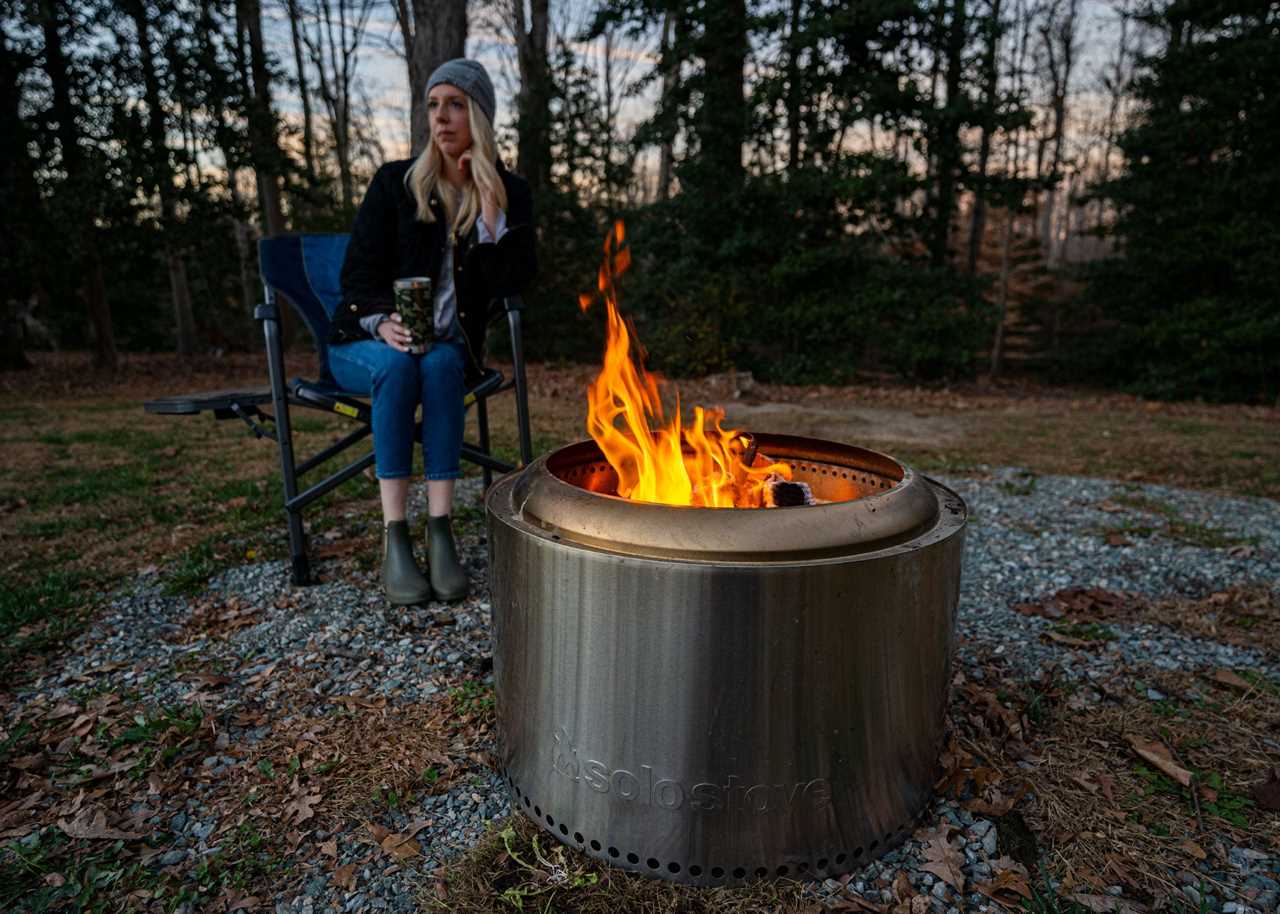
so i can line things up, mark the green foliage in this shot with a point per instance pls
(1195, 294)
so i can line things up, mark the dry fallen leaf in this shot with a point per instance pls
(91, 823)
(1009, 888)
(941, 859)
(1159, 756)
(1068, 641)
(401, 847)
(1232, 680)
(902, 888)
(345, 877)
(330, 849)
(1195, 850)
(300, 809)
(1267, 793)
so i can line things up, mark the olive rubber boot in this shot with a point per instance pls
(448, 578)
(401, 580)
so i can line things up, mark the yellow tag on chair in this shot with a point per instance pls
(346, 410)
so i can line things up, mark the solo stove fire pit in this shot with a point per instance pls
(716, 695)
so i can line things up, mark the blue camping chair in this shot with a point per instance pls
(305, 270)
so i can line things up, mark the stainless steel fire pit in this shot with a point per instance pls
(716, 695)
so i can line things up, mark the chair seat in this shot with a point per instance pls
(208, 401)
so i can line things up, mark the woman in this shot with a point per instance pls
(456, 215)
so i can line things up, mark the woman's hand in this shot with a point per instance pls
(488, 199)
(395, 334)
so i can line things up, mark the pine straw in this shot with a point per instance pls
(1102, 815)
(368, 753)
(518, 867)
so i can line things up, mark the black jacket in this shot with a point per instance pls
(388, 242)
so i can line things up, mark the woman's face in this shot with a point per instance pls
(450, 123)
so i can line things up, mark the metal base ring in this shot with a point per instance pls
(837, 863)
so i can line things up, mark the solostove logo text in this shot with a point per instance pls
(643, 786)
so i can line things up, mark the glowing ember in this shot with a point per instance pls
(660, 460)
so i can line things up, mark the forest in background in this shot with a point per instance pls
(816, 189)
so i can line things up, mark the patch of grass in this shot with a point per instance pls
(1176, 527)
(1085, 631)
(1227, 805)
(196, 565)
(43, 613)
(1261, 682)
(517, 867)
(134, 440)
(472, 696)
(1023, 483)
(84, 486)
(57, 874)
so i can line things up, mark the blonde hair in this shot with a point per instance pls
(461, 209)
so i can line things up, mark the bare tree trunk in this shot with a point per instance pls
(606, 67)
(335, 52)
(162, 180)
(304, 92)
(670, 81)
(1002, 298)
(977, 227)
(948, 142)
(1059, 40)
(793, 100)
(244, 252)
(264, 148)
(722, 118)
(105, 355)
(534, 100)
(1117, 83)
(434, 33)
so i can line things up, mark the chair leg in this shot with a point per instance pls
(482, 420)
(298, 550)
(284, 440)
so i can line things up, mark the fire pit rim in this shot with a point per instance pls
(915, 507)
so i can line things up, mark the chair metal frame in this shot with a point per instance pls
(325, 395)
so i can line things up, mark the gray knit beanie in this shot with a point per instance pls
(471, 77)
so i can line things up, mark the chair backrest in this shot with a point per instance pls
(306, 269)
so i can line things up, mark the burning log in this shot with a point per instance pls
(783, 493)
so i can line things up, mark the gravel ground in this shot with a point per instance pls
(1028, 538)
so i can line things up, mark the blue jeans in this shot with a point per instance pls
(398, 382)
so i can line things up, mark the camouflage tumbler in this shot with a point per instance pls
(416, 306)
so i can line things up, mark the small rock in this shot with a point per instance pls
(178, 822)
(989, 841)
(173, 858)
(1193, 896)
(939, 890)
(980, 828)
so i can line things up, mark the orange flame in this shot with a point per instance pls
(655, 459)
